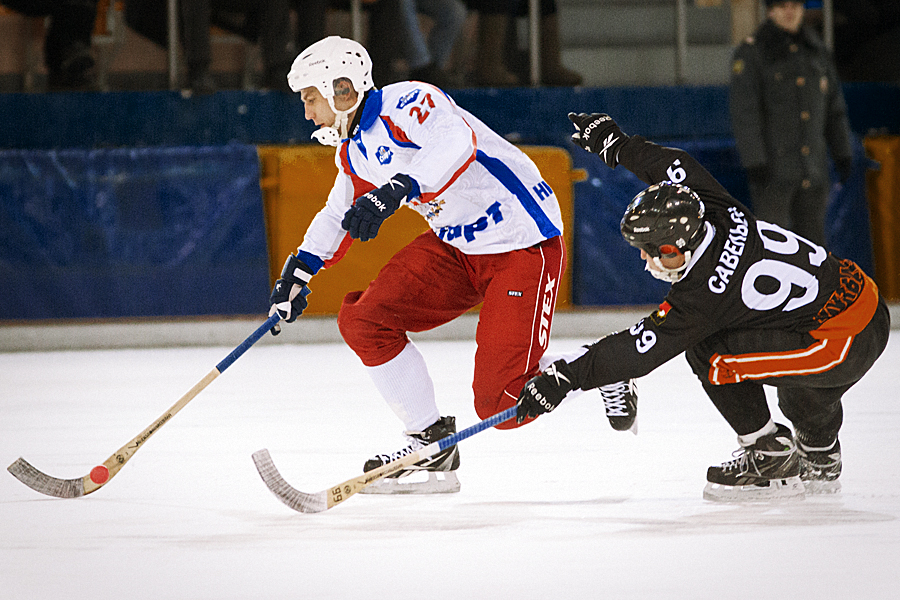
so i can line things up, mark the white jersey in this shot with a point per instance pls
(477, 191)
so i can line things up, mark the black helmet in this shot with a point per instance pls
(664, 219)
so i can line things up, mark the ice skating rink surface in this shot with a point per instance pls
(563, 508)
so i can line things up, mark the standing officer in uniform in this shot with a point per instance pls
(787, 111)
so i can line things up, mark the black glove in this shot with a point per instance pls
(757, 176)
(544, 392)
(363, 219)
(599, 134)
(844, 168)
(288, 297)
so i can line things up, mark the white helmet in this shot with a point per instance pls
(329, 59)
(324, 62)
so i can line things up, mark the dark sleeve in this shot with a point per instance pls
(620, 356)
(837, 126)
(640, 349)
(746, 107)
(653, 163)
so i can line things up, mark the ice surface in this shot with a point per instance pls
(563, 508)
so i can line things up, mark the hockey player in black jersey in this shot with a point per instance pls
(751, 304)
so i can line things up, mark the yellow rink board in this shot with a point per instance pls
(883, 192)
(295, 182)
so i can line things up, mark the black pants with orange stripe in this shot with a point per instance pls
(812, 400)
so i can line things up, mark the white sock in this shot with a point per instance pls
(815, 449)
(551, 357)
(750, 438)
(405, 384)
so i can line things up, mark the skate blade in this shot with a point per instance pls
(816, 487)
(633, 428)
(437, 482)
(790, 488)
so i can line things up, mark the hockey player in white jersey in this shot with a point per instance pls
(495, 239)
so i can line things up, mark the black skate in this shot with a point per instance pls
(620, 401)
(820, 467)
(439, 470)
(769, 469)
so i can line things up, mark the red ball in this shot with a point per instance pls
(99, 474)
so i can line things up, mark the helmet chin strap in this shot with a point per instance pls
(669, 275)
(332, 136)
(327, 136)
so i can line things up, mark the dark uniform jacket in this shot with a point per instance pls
(746, 274)
(787, 108)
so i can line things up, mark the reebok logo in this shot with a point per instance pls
(539, 397)
(607, 143)
(594, 124)
(376, 202)
(556, 375)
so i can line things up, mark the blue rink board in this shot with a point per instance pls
(131, 204)
(131, 233)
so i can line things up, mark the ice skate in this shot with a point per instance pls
(769, 469)
(436, 475)
(820, 467)
(620, 402)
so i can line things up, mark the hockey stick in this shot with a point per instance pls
(322, 501)
(101, 474)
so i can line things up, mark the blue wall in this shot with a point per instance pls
(533, 116)
(131, 233)
(147, 203)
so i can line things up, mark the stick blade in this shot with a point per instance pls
(22, 470)
(292, 497)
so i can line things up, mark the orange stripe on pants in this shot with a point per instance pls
(820, 356)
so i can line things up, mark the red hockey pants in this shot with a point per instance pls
(429, 283)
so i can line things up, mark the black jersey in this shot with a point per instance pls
(746, 274)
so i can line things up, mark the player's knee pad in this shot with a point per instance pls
(490, 400)
(348, 320)
(362, 327)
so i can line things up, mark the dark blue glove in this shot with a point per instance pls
(844, 168)
(288, 297)
(544, 392)
(599, 134)
(363, 219)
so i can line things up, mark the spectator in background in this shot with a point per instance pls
(494, 19)
(312, 21)
(387, 36)
(553, 73)
(787, 112)
(67, 44)
(429, 60)
(394, 35)
(499, 62)
(264, 21)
